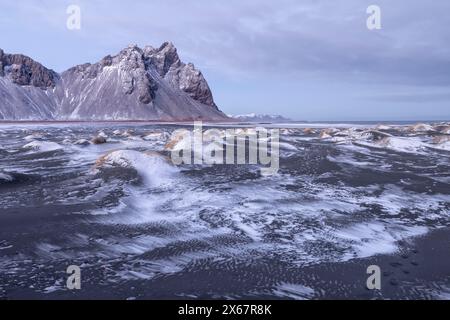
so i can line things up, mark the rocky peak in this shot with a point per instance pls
(106, 61)
(134, 75)
(131, 51)
(163, 58)
(24, 71)
(134, 64)
(131, 67)
(130, 58)
(190, 80)
(182, 76)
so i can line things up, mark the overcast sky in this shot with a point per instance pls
(306, 59)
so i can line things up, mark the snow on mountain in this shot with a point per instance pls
(253, 117)
(136, 84)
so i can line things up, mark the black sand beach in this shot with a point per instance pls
(150, 231)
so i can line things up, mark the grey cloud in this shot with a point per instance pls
(284, 38)
(257, 52)
(290, 37)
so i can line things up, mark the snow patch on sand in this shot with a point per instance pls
(6, 177)
(293, 291)
(372, 238)
(153, 167)
(398, 144)
(43, 146)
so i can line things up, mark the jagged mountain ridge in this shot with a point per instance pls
(26, 88)
(137, 84)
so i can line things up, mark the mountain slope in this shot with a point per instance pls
(26, 88)
(136, 84)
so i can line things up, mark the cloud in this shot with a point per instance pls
(291, 37)
(263, 45)
(278, 38)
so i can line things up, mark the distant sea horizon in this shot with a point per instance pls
(206, 122)
(394, 122)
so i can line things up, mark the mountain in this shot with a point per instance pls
(136, 84)
(252, 117)
(26, 88)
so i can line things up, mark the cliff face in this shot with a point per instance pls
(136, 84)
(26, 88)
(24, 71)
(181, 76)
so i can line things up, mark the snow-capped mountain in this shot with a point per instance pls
(253, 117)
(136, 84)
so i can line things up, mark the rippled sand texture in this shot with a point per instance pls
(345, 197)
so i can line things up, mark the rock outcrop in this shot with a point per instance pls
(181, 76)
(24, 71)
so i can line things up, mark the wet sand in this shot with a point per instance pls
(423, 263)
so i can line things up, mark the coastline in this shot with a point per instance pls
(300, 123)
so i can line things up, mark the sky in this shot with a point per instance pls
(305, 59)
